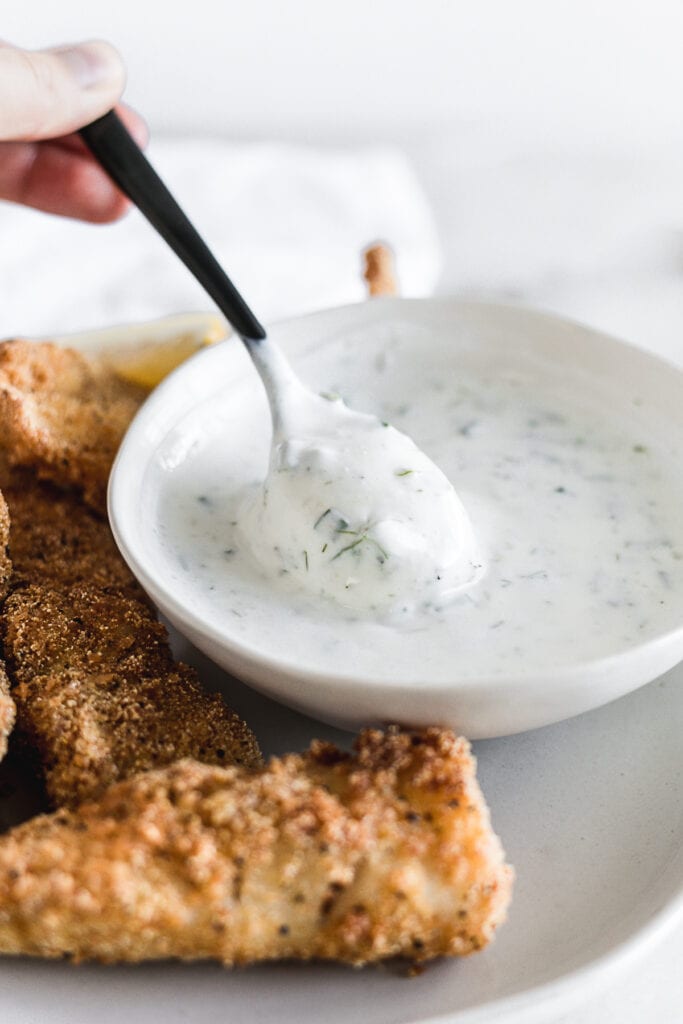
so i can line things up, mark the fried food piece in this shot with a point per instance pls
(91, 730)
(56, 540)
(387, 852)
(63, 415)
(99, 696)
(7, 710)
(82, 628)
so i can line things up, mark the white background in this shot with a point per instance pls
(547, 135)
(386, 68)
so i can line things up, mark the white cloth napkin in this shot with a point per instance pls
(288, 224)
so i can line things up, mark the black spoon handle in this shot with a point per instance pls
(111, 143)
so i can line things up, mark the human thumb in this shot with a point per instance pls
(48, 93)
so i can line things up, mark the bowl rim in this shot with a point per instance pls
(129, 469)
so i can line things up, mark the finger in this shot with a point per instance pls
(132, 120)
(48, 93)
(62, 176)
(54, 179)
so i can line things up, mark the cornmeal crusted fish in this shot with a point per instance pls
(56, 540)
(387, 852)
(98, 694)
(63, 415)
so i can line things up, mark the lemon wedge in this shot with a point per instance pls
(145, 353)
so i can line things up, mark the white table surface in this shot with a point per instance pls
(597, 235)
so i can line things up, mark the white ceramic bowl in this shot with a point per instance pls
(481, 706)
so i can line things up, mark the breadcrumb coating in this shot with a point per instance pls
(56, 540)
(63, 415)
(92, 729)
(89, 629)
(387, 852)
(98, 694)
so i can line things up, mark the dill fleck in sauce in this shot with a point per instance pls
(575, 509)
(352, 511)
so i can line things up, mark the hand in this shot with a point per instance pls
(45, 96)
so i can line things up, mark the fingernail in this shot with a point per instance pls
(89, 63)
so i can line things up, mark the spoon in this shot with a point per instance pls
(119, 154)
(351, 509)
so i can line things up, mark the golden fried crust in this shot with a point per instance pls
(84, 628)
(99, 697)
(57, 540)
(385, 853)
(98, 694)
(91, 729)
(63, 415)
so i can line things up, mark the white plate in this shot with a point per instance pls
(590, 815)
(379, 672)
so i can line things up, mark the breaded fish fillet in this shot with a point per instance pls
(7, 710)
(82, 628)
(387, 852)
(56, 540)
(63, 415)
(99, 697)
(98, 694)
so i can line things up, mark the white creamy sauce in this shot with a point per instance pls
(351, 510)
(577, 518)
